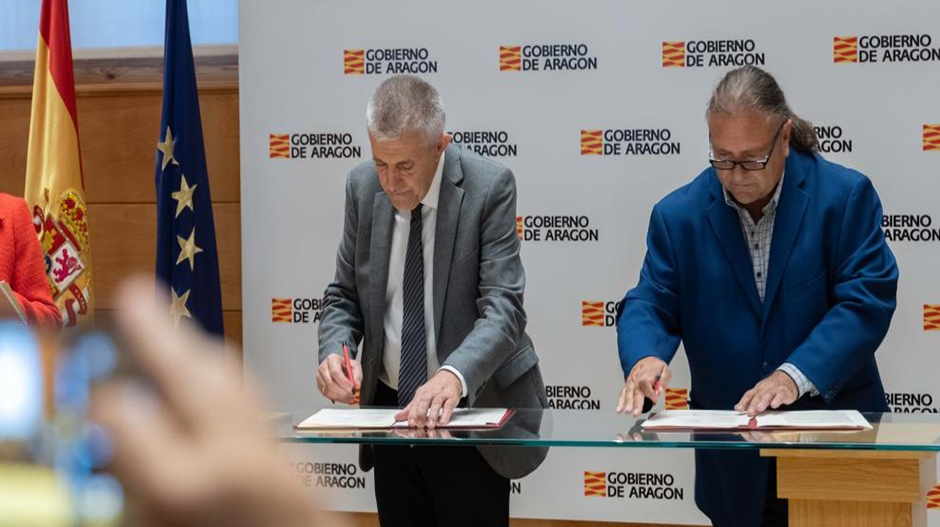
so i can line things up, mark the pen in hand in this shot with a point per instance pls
(658, 385)
(349, 371)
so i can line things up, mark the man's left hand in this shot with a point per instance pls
(772, 392)
(437, 397)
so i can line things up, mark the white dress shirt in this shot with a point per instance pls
(758, 237)
(394, 296)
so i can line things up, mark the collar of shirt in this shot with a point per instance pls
(768, 208)
(434, 191)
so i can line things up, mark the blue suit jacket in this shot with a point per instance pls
(830, 295)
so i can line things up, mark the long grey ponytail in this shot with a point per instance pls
(751, 88)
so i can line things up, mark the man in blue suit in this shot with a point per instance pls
(772, 269)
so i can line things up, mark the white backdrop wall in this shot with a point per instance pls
(626, 70)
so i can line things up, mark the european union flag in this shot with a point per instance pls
(187, 259)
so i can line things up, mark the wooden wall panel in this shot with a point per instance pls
(233, 332)
(123, 243)
(106, 69)
(118, 135)
(14, 135)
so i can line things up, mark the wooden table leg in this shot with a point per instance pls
(854, 488)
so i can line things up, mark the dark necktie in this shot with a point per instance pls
(413, 371)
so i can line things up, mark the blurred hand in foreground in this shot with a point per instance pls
(190, 449)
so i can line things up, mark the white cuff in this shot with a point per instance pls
(463, 382)
(803, 384)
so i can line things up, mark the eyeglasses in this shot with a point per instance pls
(727, 164)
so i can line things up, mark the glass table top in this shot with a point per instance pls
(578, 428)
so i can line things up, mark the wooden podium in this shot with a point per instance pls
(855, 488)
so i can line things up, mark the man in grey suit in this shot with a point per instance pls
(430, 282)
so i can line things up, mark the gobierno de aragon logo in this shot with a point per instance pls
(712, 53)
(296, 310)
(635, 485)
(599, 314)
(556, 228)
(490, 143)
(872, 49)
(388, 61)
(916, 228)
(547, 57)
(313, 145)
(629, 142)
(329, 475)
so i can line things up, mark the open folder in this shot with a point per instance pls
(731, 420)
(377, 419)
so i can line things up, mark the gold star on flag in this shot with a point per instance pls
(167, 148)
(178, 307)
(188, 249)
(184, 196)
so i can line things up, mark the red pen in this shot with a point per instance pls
(657, 386)
(349, 367)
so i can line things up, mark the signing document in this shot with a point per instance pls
(731, 420)
(375, 418)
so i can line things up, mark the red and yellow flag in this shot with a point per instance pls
(54, 181)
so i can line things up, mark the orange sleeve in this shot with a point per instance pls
(29, 282)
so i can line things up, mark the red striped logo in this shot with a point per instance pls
(673, 54)
(677, 399)
(279, 147)
(931, 137)
(594, 484)
(844, 49)
(933, 498)
(592, 314)
(354, 61)
(592, 142)
(931, 317)
(510, 58)
(281, 310)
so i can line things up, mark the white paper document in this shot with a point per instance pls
(370, 418)
(731, 420)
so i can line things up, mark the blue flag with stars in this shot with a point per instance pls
(187, 259)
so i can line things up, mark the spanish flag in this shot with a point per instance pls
(54, 181)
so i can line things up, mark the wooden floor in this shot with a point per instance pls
(371, 520)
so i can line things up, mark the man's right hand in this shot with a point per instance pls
(333, 381)
(648, 378)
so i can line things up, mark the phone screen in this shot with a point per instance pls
(21, 386)
(51, 456)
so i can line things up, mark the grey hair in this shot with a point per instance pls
(402, 105)
(750, 88)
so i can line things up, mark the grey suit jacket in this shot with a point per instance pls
(479, 320)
